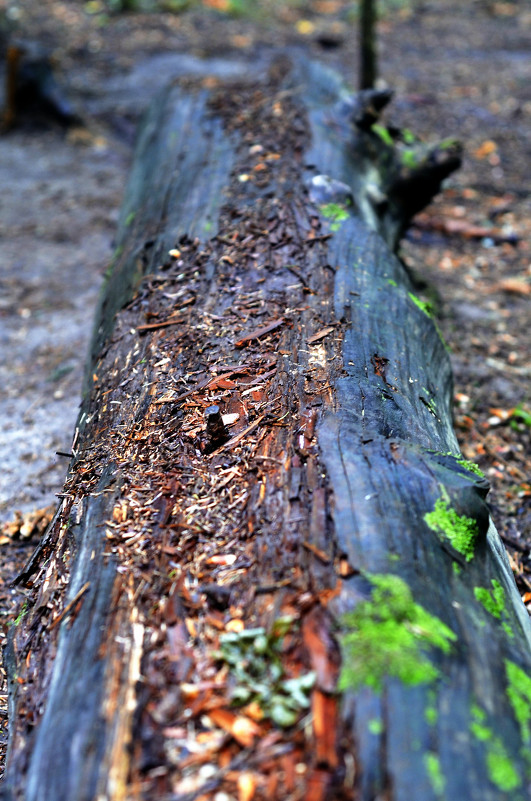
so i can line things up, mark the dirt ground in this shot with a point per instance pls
(458, 69)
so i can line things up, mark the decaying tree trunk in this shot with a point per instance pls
(322, 556)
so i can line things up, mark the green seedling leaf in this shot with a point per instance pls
(282, 716)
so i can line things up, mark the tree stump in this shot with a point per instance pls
(271, 574)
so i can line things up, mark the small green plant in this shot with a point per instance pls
(254, 661)
(521, 418)
(22, 614)
(390, 635)
(461, 532)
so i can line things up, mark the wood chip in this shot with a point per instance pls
(244, 730)
(320, 334)
(258, 333)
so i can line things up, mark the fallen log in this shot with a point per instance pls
(272, 574)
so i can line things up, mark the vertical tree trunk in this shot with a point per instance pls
(368, 44)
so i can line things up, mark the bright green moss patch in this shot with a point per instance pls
(471, 466)
(389, 635)
(460, 531)
(431, 715)
(433, 769)
(392, 282)
(519, 694)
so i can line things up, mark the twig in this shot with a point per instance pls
(68, 608)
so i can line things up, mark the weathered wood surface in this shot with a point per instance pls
(343, 445)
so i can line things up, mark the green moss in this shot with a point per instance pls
(500, 767)
(460, 531)
(457, 569)
(389, 635)
(507, 629)
(448, 144)
(492, 600)
(409, 158)
(392, 282)
(431, 715)
(423, 305)
(519, 694)
(433, 769)
(468, 465)
(375, 726)
(408, 136)
(130, 217)
(383, 133)
(480, 731)
(336, 213)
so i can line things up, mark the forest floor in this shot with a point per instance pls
(458, 69)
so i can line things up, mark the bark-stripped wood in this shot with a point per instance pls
(286, 307)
